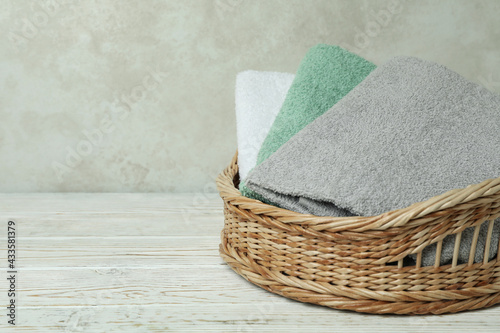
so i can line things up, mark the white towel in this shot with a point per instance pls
(259, 96)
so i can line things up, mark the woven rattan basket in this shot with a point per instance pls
(357, 263)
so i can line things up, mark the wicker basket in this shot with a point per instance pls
(356, 263)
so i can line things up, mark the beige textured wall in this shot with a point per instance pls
(115, 95)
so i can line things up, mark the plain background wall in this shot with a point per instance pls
(118, 96)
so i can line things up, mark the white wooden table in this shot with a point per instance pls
(150, 263)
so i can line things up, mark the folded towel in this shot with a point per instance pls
(325, 75)
(411, 130)
(259, 97)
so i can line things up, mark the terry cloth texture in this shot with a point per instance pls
(325, 75)
(410, 131)
(259, 97)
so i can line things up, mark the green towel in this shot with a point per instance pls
(325, 75)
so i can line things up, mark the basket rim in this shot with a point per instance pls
(484, 193)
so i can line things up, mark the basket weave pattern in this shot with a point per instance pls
(356, 263)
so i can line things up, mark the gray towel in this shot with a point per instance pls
(410, 131)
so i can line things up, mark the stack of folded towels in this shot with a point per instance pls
(343, 137)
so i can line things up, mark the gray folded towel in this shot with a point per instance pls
(410, 131)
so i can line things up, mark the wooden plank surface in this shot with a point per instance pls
(150, 263)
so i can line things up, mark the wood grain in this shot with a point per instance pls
(150, 263)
